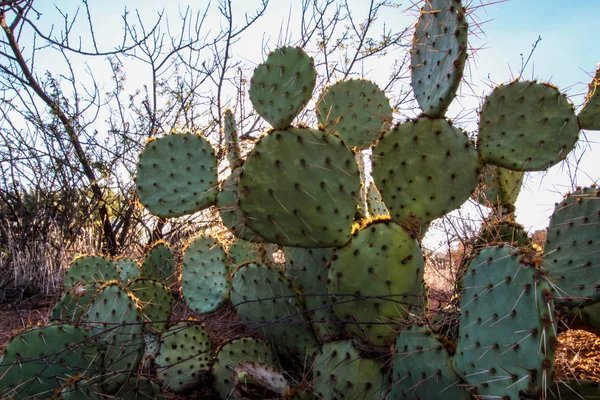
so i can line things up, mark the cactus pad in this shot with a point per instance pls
(307, 268)
(183, 357)
(299, 188)
(242, 251)
(282, 85)
(375, 204)
(498, 186)
(235, 352)
(377, 280)
(205, 280)
(74, 303)
(39, 361)
(177, 175)
(159, 264)
(526, 126)
(425, 167)
(438, 55)
(572, 250)
(128, 269)
(234, 154)
(89, 269)
(422, 368)
(339, 372)
(356, 109)
(155, 301)
(589, 116)
(507, 326)
(267, 298)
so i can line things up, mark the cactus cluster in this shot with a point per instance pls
(346, 317)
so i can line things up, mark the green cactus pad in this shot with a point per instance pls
(155, 301)
(572, 250)
(498, 186)
(589, 116)
(356, 109)
(377, 280)
(74, 303)
(79, 388)
(526, 126)
(307, 268)
(299, 188)
(507, 327)
(426, 167)
(116, 323)
(159, 264)
(267, 298)
(184, 356)
(128, 269)
(177, 175)
(234, 154)
(140, 388)
(438, 55)
(282, 86)
(375, 204)
(235, 352)
(89, 269)
(422, 368)
(205, 279)
(339, 372)
(242, 251)
(37, 362)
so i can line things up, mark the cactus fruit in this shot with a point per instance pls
(426, 167)
(572, 250)
(155, 301)
(116, 322)
(507, 325)
(74, 303)
(438, 55)
(339, 372)
(422, 367)
(38, 361)
(299, 187)
(128, 269)
(282, 86)
(205, 279)
(184, 356)
(526, 126)
(376, 281)
(89, 269)
(268, 299)
(177, 175)
(499, 186)
(159, 264)
(589, 116)
(234, 353)
(307, 268)
(356, 109)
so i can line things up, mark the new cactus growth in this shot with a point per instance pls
(499, 186)
(589, 116)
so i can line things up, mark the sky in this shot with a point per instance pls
(503, 33)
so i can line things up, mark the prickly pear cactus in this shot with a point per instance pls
(89, 269)
(177, 175)
(376, 281)
(375, 204)
(268, 299)
(426, 167)
(205, 279)
(499, 186)
(422, 367)
(299, 187)
(159, 264)
(38, 361)
(572, 250)
(74, 303)
(589, 116)
(252, 380)
(307, 268)
(78, 387)
(234, 154)
(234, 353)
(507, 326)
(155, 302)
(116, 323)
(140, 388)
(282, 86)
(128, 269)
(184, 355)
(242, 251)
(526, 126)
(356, 109)
(339, 372)
(438, 55)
